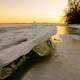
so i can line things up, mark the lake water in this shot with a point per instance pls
(64, 62)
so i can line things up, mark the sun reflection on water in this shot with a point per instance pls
(61, 30)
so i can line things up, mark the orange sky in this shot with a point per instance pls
(19, 11)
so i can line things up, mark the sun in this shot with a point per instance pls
(59, 8)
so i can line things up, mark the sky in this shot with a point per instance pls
(19, 11)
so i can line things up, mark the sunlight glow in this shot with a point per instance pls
(12, 11)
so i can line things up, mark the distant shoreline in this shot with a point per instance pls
(32, 23)
(8, 25)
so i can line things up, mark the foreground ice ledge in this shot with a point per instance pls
(11, 46)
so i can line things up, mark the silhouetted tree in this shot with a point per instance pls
(73, 12)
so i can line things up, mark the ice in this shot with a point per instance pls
(17, 42)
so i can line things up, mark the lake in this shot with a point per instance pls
(62, 64)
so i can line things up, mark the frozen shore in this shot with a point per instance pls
(17, 42)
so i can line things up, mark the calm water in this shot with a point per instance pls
(64, 62)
